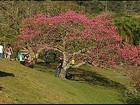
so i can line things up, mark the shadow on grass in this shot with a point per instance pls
(82, 75)
(1, 88)
(90, 77)
(42, 66)
(5, 74)
(51, 65)
(93, 78)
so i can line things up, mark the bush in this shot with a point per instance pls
(133, 100)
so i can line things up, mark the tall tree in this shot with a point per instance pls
(70, 33)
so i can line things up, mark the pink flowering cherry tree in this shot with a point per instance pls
(76, 36)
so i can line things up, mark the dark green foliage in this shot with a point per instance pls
(95, 6)
(128, 27)
(133, 100)
(115, 6)
(92, 7)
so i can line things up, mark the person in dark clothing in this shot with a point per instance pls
(26, 60)
(59, 67)
(47, 56)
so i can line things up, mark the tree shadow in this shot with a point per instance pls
(43, 67)
(41, 63)
(1, 88)
(82, 75)
(93, 78)
(5, 74)
(51, 65)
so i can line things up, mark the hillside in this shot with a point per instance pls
(20, 84)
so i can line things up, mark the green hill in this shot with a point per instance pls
(20, 84)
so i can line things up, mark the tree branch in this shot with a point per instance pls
(83, 50)
(79, 64)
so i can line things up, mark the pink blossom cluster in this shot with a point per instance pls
(28, 33)
(71, 26)
(71, 15)
(130, 53)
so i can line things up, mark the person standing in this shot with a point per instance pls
(9, 51)
(59, 67)
(47, 56)
(1, 51)
(20, 56)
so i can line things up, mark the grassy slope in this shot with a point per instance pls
(34, 86)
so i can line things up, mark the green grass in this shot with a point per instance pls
(39, 85)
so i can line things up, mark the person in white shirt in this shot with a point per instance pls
(1, 51)
(9, 51)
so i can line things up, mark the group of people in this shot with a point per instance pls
(26, 59)
(6, 52)
(60, 62)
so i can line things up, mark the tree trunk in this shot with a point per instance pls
(132, 6)
(64, 66)
(106, 6)
(63, 72)
(36, 57)
(125, 6)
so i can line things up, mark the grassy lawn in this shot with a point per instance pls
(93, 85)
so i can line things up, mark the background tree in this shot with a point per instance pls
(94, 7)
(12, 13)
(128, 27)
